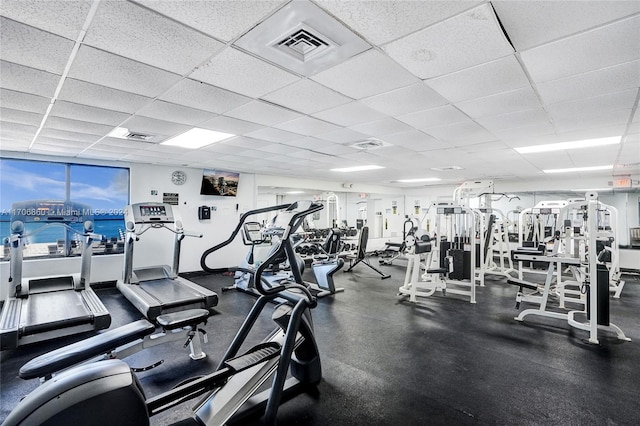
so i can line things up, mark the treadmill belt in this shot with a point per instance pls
(52, 311)
(170, 292)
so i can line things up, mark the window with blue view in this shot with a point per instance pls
(105, 190)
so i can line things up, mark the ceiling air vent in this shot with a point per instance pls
(302, 38)
(136, 136)
(369, 144)
(304, 43)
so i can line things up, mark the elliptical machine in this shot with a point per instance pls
(88, 394)
(264, 242)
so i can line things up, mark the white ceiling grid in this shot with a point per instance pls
(444, 83)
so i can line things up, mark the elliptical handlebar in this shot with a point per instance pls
(243, 218)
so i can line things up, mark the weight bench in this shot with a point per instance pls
(361, 254)
(121, 342)
(521, 284)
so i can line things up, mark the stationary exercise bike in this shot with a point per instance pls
(108, 393)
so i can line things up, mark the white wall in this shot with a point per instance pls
(155, 247)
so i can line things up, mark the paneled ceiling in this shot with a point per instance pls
(442, 83)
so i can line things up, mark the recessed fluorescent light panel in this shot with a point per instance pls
(357, 168)
(579, 169)
(587, 143)
(592, 190)
(197, 138)
(418, 180)
(119, 132)
(295, 192)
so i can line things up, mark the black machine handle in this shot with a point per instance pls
(294, 223)
(203, 258)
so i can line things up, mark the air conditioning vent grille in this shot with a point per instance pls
(138, 136)
(369, 144)
(304, 43)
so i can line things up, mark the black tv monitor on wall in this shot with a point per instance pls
(216, 182)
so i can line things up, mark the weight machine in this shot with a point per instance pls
(452, 258)
(593, 277)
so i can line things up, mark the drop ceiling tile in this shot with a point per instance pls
(604, 154)
(335, 149)
(630, 152)
(134, 32)
(241, 73)
(383, 21)
(415, 141)
(167, 111)
(599, 82)
(109, 143)
(383, 127)
(28, 80)
(612, 44)
(598, 104)
(544, 161)
(20, 117)
(77, 126)
(306, 96)
(262, 113)
(224, 20)
(87, 113)
(416, 97)
(81, 92)
(273, 135)
(531, 24)
(67, 135)
(590, 120)
(515, 120)
(486, 79)
(23, 101)
(217, 148)
(475, 37)
(306, 143)
(367, 74)
(501, 103)
(276, 148)
(16, 131)
(462, 133)
(15, 145)
(243, 143)
(231, 125)
(433, 117)
(344, 136)
(55, 150)
(308, 126)
(203, 96)
(64, 18)
(79, 146)
(33, 48)
(106, 69)
(153, 126)
(349, 114)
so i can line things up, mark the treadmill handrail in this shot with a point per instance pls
(47, 225)
(203, 258)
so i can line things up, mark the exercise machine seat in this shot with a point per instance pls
(60, 359)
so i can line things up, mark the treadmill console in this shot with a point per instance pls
(149, 213)
(252, 233)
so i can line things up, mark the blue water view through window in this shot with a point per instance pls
(104, 189)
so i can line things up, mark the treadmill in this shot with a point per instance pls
(44, 308)
(158, 290)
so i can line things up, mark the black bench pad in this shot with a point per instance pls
(102, 343)
(522, 283)
(437, 271)
(181, 319)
